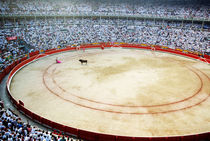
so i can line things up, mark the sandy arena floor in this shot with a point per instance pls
(120, 91)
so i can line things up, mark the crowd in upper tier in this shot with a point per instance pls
(138, 8)
(42, 34)
(12, 128)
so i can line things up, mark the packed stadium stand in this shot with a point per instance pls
(175, 9)
(28, 26)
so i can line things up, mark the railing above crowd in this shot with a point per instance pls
(105, 15)
(87, 135)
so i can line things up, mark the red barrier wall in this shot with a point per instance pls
(2, 75)
(87, 135)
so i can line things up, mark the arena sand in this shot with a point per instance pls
(125, 92)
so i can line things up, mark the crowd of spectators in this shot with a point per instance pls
(51, 33)
(12, 128)
(137, 8)
(43, 34)
(9, 52)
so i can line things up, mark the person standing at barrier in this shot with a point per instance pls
(102, 47)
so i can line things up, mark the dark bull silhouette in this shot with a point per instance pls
(83, 61)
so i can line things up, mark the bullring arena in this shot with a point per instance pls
(128, 92)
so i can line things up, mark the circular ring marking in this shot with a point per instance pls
(161, 112)
(133, 106)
